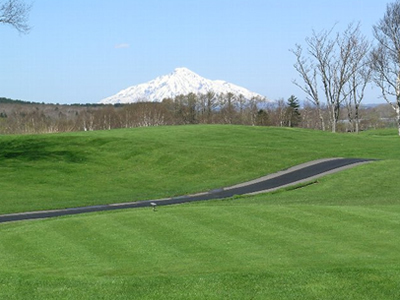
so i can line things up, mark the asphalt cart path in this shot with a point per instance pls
(292, 176)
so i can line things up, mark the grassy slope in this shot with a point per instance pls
(68, 170)
(338, 239)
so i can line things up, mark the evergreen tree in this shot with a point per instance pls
(262, 118)
(293, 113)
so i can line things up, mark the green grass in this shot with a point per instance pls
(212, 251)
(338, 238)
(77, 169)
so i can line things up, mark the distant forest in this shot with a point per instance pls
(13, 101)
(23, 102)
(23, 117)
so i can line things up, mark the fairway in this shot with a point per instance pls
(337, 238)
(301, 174)
(42, 172)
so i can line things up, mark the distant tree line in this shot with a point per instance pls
(27, 118)
(12, 101)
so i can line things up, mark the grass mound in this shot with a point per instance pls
(78, 169)
(336, 239)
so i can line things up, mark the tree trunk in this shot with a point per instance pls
(357, 118)
(333, 119)
(321, 118)
(398, 119)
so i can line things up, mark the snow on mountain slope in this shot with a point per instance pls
(181, 81)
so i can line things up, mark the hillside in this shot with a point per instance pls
(337, 238)
(88, 168)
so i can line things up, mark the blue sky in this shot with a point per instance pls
(81, 51)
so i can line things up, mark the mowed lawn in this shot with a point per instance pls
(338, 238)
(76, 169)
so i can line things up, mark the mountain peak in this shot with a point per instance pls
(182, 70)
(181, 81)
(185, 73)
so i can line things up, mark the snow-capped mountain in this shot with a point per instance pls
(181, 81)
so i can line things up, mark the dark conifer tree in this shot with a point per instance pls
(293, 113)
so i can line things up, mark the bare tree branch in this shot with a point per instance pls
(308, 72)
(15, 13)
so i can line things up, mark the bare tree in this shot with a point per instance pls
(15, 13)
(228, 105)
(357, 48)
(356, 87)
(332, 59)
(253, 109)
(278, 113)
(386, 57)
(308, 72)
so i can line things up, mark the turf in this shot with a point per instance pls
(337, 238)
(206, 251)
(78, 169)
